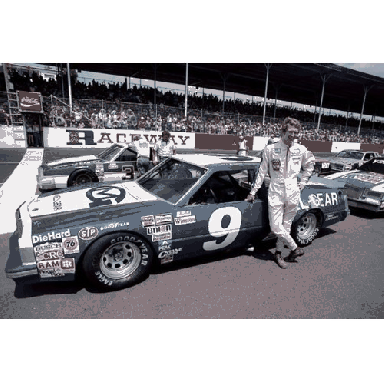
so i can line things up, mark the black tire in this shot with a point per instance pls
(117, 261)
(83, 176)
(305, 229)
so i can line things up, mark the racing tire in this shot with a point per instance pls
(117, 261)
(305, 229)
(83, 176)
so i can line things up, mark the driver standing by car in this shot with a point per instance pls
(164, 148)
(282, 161)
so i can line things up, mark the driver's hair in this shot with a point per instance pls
(290, 121)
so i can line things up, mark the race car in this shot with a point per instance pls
(118, 162)
(365, 185)
(186, 206)
(343, 161)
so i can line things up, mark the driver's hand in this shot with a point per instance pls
(250, 198)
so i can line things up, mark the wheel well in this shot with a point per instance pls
(149, 244)
(77, 172)
(318, 213)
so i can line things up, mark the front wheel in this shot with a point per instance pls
(305, 229)
(117, 261)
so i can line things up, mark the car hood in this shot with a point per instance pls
(97, 195)
(345, 160)
(69, 160)
(364, 180)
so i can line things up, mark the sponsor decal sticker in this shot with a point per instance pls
(321, 200)
(47, 247)
(50, 255)
(277, 150)
(331, 216)
(167, 259)
(185, 220)
(295, 151)
(88, 233)
(50, 236)
(56, 268)
(163, 218)
(183, 213)
(170, 252)
(147, 221)
(115, 225)
(70, 245)
(165, 245)
(276, 164)
(161, 229)
(113, 166)
(57, 205)
(165, 236)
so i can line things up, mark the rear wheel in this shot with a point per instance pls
(305, 229)
(117, 261)
(82, 177)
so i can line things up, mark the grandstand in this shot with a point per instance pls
(97, 105)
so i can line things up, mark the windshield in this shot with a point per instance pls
(171, 180)
(351, 154)
(375, 165)
(110, 152)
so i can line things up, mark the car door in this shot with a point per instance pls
(206, 224)
(122, 167)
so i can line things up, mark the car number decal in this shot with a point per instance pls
(216, 230)
(105, 195)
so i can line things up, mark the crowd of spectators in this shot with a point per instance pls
(97, 105)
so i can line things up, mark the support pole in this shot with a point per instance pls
(186, 91)
(324, 78)
(268, 66)
(366, 89)
(69, 93)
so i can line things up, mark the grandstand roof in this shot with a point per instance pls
(300, 83)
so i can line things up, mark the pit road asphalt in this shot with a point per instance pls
(339, 277)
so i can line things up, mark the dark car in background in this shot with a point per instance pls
(345, 160)
(365, 185)
(118, 162)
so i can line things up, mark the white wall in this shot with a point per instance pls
(12, 137)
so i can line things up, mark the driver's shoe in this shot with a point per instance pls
(280, 261)
(294, 254)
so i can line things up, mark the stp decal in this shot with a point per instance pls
(88, 233)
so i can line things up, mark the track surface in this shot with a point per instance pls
(339, 277)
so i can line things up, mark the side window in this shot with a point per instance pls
(127, 155)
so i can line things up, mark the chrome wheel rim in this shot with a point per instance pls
(306, 226)
(120, 260)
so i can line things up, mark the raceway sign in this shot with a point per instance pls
(102, 138)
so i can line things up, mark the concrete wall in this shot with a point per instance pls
(12, 137)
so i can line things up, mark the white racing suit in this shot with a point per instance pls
(283, 164)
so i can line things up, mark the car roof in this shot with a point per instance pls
(209, 161)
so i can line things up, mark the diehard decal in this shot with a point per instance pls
(50, 236)
(88, 233)
(163, 218)
(70, 245)
(183, 213)
(159, 229)
(185, 220)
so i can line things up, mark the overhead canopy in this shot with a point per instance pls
(299, 83)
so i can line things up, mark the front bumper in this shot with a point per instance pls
(365, 205)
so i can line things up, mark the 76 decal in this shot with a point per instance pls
(216, 229)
